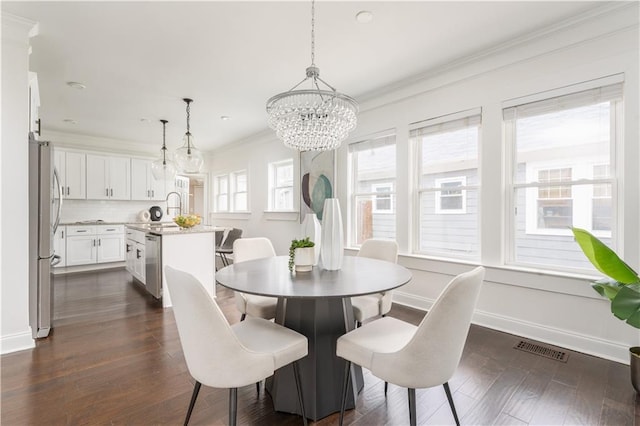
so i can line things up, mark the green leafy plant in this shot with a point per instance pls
(305, 242)
(622, 287)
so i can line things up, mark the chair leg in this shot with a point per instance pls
(450, 398)
(358, 324)
(345, 389)
(258, 387)
(386, 386)
(233, 406)
(242, 317)
(296, 374)
(412, 406)
(194, 396)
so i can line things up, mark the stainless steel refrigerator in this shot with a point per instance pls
(45, 202)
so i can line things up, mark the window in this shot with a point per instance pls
(561, 174)
(281, 185)
(239, 191)
(372, 171)
(446, 200)
(383, 200)
(222, 193)
(451, 199)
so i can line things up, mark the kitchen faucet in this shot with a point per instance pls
(179, 200)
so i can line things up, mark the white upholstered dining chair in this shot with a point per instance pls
(372, 305)
(416, 357)
(250, 304)
(224, 356)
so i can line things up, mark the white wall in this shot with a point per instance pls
(15, 333)
(560, 310)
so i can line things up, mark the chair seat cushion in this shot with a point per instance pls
(365, 307)
(260, 306)
(260, 335)
(385, 335)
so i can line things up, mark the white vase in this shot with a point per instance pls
(332, 249)
(311, 228)
(303, 259)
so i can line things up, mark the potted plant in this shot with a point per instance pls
(622, 288)
(301, 255)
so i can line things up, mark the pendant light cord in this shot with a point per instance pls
(313, 32)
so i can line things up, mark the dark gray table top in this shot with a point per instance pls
(271, 277)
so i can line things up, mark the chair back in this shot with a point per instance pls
(232, 236)
(214, 355)
(432, 355)
(380, 249)
(252, 248)
(219, 236)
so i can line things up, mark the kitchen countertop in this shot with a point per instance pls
(171, 230)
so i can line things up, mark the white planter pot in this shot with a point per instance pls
(311, 228)
(332, 250)
(303, 259)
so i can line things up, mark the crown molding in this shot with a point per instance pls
(98, 144)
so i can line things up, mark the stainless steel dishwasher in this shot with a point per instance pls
(153, 264)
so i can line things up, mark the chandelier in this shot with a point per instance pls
(189, 158)
(312, 119)
(163, 168)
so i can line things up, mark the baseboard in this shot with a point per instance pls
(16, 342)
(591, 345)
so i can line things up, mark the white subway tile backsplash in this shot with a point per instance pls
(106, 210)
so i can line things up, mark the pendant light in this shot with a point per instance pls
(163, 168)
(189, 159)
(312, 119)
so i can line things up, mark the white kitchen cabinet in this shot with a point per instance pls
(34, 104)
(94, 244)
(60, 245)
(143, 185)
(108, 178)
(72, 168)
(81, 250)
(135, 252)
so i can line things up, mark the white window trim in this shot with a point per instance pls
(463, 194)
(389, 193)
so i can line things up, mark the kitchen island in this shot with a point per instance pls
(191, 250)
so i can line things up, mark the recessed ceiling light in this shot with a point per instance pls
(70, 121)
(364, 17)
(76, 85)
(225, 118)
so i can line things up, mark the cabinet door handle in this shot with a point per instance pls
(148, 195)
(110, 229)
(81, 230)
(112, 192)
(62, 235)
(99, 241)
(153, 193)
(93, 243)
(128, 248)
(107, 191)
(38, 122)
(138, 254)
(68, 191)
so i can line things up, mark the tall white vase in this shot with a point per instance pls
(311, 228)
(332, 249)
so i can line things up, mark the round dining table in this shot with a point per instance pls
(316, 304)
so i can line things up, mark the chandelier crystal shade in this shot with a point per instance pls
(312, 119)
(163, 168)
(188, 158)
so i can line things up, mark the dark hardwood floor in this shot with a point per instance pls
(114, 357)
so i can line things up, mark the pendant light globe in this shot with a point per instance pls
(163, 168)
(188, 158)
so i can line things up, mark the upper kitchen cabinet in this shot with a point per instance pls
(34, 104)
(143, 185)
(108, 178)
(71, 167)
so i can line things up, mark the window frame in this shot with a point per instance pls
(233, 190)
(219, 194)
(273, 184)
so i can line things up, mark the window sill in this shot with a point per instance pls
(232, 215)
(282, 215)
(573, 284)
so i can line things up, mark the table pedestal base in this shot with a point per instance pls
(322, 321)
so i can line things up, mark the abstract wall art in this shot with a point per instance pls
(317, 181)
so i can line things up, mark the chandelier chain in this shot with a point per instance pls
(313, 32)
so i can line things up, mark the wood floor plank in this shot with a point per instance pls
(114, 357)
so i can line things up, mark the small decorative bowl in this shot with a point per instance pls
(187, 221)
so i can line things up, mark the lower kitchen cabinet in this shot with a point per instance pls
(135, 252)
(94, 244)
(60, 245)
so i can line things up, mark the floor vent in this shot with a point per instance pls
(546, 352)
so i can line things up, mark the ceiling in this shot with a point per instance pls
(139, 59)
